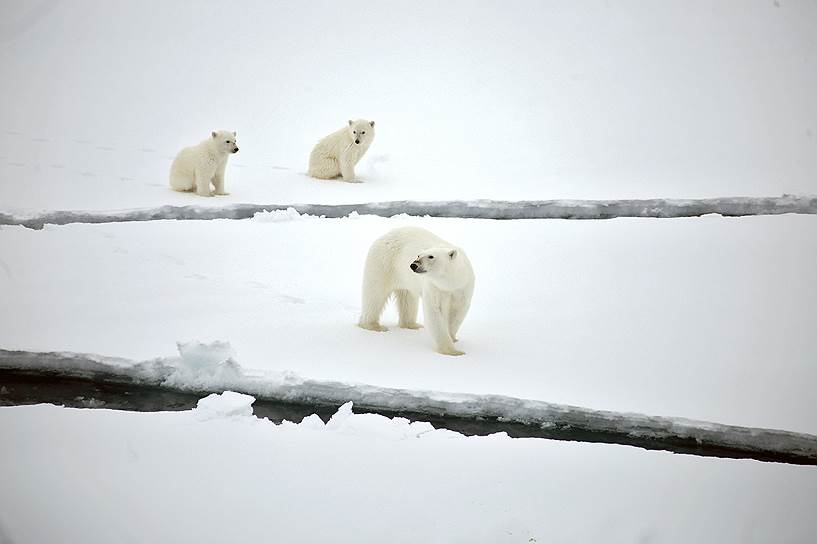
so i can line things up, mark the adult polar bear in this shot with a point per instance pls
(411, 262)
(196, 167)
(337, 154)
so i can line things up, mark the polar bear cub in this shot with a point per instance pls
(410, 263)
(195, 168)
(337, 154)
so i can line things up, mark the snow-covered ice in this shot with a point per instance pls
(709, 318)
(179, 477)
(226, 404)
(536, 101)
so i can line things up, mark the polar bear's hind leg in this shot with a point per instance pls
(322, 167)
(374, 300)
(407, 306)
(180, 182)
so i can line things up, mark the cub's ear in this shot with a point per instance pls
(234, 133)
(452, 254)
(214, 134)
(371, 123)
(350, 122)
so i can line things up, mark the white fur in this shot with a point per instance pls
(445, 286)
(195, 168)
(337, 154)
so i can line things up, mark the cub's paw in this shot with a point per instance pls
(451, 351)
(223, 193)
(372, 327)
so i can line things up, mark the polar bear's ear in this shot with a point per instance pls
(371, 123)
(235, 134)
(350, 122)
(452, 254)
(214, 134)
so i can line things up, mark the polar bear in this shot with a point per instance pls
(411, 262)
(337, 154)
(194, 168)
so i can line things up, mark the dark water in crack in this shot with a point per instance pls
(25, 388)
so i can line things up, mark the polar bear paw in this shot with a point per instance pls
(451, 351)
(222, 193)
(412, 326)
(372, 327)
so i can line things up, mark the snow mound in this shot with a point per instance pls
(279, 216)
(204, 366)
(340, 417)
(227, 404)
(391, 428)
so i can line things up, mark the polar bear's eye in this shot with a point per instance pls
(364, 132)
(431, 256)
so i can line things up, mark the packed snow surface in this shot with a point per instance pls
(531, 100)
(223, 476)
(709, 318)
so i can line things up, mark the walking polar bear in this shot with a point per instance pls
(195, 168)
(411, 262)
(337, 154)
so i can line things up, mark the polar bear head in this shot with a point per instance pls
(440, 264)
(361, 131)
(225, 141)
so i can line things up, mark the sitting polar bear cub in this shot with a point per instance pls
(338, 153)
(194, 168)
(412, 262)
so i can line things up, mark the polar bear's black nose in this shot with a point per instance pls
(414, 266)
(235, 150)
(357, 141)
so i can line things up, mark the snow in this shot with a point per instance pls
(478, 105)
(633, 99)
(226, 404)
(106, 476)
(707, 319)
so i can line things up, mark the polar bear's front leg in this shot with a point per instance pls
(218, 180)
(435, 311)
(347, 167)
(203, 177)
(348, 173)
(457, 312)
